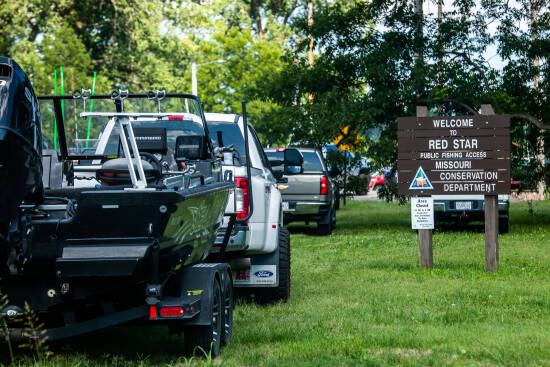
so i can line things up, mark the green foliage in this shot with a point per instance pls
(143, 45)
(356, 186)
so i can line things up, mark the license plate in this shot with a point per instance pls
(285, 205)
(464, 205)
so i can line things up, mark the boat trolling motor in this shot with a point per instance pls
(20, 159)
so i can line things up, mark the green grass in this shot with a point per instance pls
(359, 299)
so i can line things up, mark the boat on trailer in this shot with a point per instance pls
(108, 237)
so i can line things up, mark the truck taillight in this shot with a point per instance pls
(175, 117)
(324, 185)
(241, 197)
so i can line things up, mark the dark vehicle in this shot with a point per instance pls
(469, 208)
(310, 195)
(130, 246)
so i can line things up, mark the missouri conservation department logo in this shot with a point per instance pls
(421, 181)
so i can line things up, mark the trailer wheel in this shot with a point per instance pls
(205, 340)
(282, 291)
(228, 304)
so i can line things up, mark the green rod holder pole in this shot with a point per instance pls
(62, 92)
(55, 125)
(91, 110)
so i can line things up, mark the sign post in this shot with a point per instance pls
(491, 219)
(456, 155)
(425, 249)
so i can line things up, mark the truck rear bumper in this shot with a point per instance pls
(447, 209)
(304, 211)
(305, 207)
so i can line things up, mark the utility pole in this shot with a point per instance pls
(536, 83)
(194, 87)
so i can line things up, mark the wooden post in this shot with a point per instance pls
(425, 235)
(491, 218)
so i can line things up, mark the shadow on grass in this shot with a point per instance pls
(476, 227)
(134, 343)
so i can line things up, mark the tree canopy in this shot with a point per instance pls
(373, 61)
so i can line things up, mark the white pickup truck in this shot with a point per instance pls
(259, 247)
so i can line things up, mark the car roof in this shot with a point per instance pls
(309, 150)
(221, 117)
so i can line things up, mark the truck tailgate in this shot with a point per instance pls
(303, 187)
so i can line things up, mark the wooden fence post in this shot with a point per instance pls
(491, 218)
(425, 235)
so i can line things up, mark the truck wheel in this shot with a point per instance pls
(205, 340)
(228, 304)
(324, 226)
(337, 200)
(282, 291)
(333, 219)
(503, 224)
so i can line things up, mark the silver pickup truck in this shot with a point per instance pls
(310, 193)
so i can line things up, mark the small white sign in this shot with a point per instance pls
(422, 213)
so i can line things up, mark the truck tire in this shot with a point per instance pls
(337, 200)
(205, 340)
(504, 224)
(282, 291)
(333, 219)
(228, 304)
(324, 226)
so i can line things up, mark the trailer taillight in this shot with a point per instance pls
(171, 311)
(242, 202)
(324, 185)
(152, 312)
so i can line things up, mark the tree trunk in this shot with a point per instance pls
(419, 52)
(255, 7)
(440, 49)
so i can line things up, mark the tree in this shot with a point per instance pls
(381, 58)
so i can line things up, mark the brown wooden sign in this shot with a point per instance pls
(454, 155)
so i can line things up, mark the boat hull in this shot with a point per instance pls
(105, 246)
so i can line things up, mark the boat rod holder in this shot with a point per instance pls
(158, 96)
(83, 94)
(120, 95)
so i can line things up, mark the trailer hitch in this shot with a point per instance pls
(153, 290)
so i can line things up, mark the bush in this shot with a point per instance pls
(356, 186)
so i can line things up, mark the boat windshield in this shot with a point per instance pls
(82, 134)
(174, 128)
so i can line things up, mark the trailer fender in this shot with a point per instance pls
(197, 283)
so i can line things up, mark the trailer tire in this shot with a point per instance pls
(282, 291)
(228, 305)
(204, 340)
